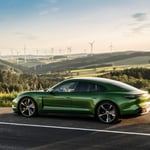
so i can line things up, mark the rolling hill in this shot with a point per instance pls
(5, 65)
(84, 62)
(95, 60)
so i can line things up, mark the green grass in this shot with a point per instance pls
(6, 99)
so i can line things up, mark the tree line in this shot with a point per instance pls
(15, 82)
(137, 77)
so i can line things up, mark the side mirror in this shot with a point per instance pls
(45, 90)
(51, 91)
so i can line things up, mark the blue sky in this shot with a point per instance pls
(59, 24)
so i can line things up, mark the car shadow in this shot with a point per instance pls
(74, 120)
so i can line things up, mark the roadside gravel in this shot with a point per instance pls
(5, 110)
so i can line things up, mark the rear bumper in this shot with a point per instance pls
(143, 109)
(137, 109)
(146, 108)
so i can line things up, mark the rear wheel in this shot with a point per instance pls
(27, 107)
(107, 112)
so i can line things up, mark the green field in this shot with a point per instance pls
(97, 72)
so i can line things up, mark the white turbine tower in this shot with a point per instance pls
(12, 53)
(69, 50)
(25, 58)
(17, 56)
(37, 53)
(91, 47)
(111, 47)
(52, 53)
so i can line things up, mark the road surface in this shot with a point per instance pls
(54, 132)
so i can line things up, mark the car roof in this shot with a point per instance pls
(107, 81)
(103, 80)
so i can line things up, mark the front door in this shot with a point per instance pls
(60, 98)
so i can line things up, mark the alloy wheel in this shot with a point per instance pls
(27, 107)
(107, 112)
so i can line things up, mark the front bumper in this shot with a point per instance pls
(14, 105)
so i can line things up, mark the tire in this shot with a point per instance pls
(27, 107)
(107, 112)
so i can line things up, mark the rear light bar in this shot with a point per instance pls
(136, 96)
(131, 96)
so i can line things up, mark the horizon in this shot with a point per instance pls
(34, 54)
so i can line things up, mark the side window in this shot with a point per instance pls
(81, 87)
(96, 88)
(89, 87)
(66, 87)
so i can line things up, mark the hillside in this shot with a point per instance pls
(95, 60)
(5, 65)
(45, 66)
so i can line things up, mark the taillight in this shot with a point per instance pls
(145, 95)
(131, 96)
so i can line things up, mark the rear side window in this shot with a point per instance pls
(89, 87)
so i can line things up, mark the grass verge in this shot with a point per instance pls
(6, 99)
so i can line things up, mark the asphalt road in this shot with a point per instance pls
(53, 132)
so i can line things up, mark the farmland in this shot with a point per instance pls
(96, 72)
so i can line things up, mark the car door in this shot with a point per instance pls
(88, 93)
(60, 98)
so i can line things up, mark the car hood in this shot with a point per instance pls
(31, 93)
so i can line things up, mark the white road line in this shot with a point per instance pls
(77, 129)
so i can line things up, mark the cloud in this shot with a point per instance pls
(141, 28)
(49, 6)
(140, 23)
(27, 36)
(54, 9)
(140, 16)
(51, 10)
(44, 12)
(52, 1)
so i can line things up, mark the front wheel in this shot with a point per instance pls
(27, 107)
(107, 112)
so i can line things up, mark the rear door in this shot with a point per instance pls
(87, 93)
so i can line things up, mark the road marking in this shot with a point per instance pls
(77, 129)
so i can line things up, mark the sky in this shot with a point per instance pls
(57, 26)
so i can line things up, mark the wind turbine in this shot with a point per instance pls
(52, 53)
(91, 46)
(37, 53)
(17, 56)
(69, 50)
(111, 47)
(12, 53)
(25, 58)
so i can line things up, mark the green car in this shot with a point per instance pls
(104, 98)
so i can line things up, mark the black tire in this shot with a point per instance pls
(27, 107)
(107, 112)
